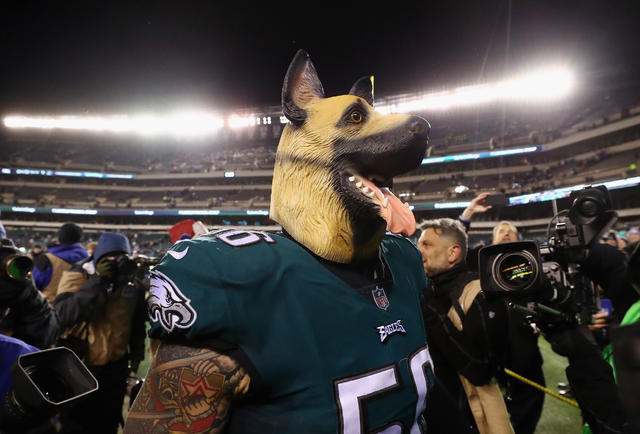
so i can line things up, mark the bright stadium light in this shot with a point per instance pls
(235, 121)
(541, 85)
(92, 123)
(178, 124)
(545, 84)
(194, 124)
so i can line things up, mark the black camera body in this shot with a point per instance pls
(126, 267)
(546, 282)
(549, 293)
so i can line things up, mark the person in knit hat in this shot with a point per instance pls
(48, 268)
(100, 307)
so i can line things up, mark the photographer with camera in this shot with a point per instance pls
(32, 388)
(24, 312)
(554, 285)
(466, 332)
(523, 354)
(103, 316)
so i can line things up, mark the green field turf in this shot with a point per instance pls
(557, 416)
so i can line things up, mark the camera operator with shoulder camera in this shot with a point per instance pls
(24, 312)
(103, 316)
(34, 384)
(466, 331)
(523, 354)
(555, 287)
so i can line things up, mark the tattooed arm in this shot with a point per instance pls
(187, 390)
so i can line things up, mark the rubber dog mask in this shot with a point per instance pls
(335, 163)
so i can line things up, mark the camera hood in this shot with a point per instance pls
(511, 269)
(47, 381)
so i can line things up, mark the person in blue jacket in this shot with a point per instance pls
(58, 259)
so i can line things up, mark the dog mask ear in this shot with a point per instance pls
(364, 89)
(301, 86)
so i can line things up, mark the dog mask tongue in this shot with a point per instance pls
(399, 218)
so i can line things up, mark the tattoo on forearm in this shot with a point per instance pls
(187, 390)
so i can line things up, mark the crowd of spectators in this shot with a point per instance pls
(240, 156)
(519, 175)
(34, 242)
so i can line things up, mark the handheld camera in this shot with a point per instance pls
(548, 278)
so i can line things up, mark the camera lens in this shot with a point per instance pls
(589, 208)
(515, 271)
(18, 267)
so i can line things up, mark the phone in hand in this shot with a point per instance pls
(606, 306)
(497, 200)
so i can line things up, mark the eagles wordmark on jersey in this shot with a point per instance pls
(329, 358)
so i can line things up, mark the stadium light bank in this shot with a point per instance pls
(542, 85)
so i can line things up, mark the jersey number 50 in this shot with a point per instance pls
(352, 394)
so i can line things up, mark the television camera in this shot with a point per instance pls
(13, 264)
(546, 283)
(45, 383)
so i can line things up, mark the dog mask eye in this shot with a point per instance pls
(356, 117)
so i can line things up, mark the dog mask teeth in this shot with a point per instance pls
(397, 214)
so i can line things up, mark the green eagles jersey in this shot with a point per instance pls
(328, 358)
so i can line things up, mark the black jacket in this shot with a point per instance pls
(91, 298)
(607, 266)
(476, 352)
(29, 317)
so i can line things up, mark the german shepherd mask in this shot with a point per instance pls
(335, 163)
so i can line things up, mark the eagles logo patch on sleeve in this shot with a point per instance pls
(168, 305)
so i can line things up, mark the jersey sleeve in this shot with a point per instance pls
(200, 284)
(404, 248)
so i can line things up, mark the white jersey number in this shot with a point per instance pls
(352, 394)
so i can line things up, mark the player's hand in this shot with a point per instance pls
(476, 206)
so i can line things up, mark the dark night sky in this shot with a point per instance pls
(121, 57)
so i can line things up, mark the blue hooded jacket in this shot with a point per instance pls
(10, 350)
(69, 252)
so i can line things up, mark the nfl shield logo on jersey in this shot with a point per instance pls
(380, 297)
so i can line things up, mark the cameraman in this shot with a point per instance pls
(24, 312)
(27, 321)
(466, 332)
(103, 316)
(523, 354)
(606, 266)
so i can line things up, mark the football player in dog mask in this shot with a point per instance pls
(317, 328)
